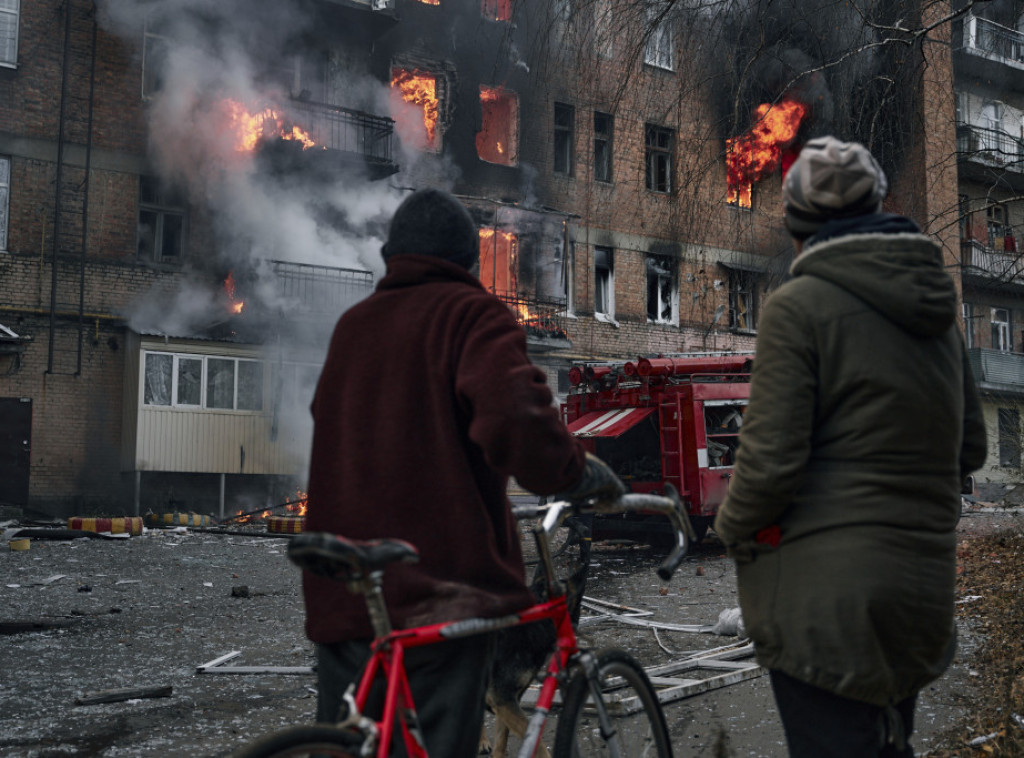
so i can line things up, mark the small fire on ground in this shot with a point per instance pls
(251, 127)
(754, 155)
(293, 506)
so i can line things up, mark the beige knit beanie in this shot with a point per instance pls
(831, 179)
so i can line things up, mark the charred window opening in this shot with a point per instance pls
(496, 10)
(498, 138)
(1001, 330)
(759, 152)
(421, 89)
(161, 230)
(565, 121)
(662, 289)
(743, 300)
(604, 281)
(498, 262)
(1009, 437)
(603, 128)
(658, 149)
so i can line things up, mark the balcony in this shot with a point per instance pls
(980, 260)
(320, 290)
(543, 321)
(985, 48)
(996, 370)
(991, 147)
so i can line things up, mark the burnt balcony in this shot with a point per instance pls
(320, 290)
(997, 370)
(543, 321)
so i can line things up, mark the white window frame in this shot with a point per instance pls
(604, 281)
(665, 283)
(10, 13)
(177, 358)
(659, 49)
(1001, 330)
(968, 312)
(5, 197)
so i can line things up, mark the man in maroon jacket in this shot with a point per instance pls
(426, 405)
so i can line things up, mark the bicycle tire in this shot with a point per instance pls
(632, 705)
(301, 741)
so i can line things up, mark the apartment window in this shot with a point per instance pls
(196, 381)
(1009, 437)
(497, 10)
(1000, 236)
(658, 48)
(565, 120)
(604, 281)
(968, 311)
(498, 138)
(603, 127)
(161, 222)
(5, 196)
(9, 12)
(154, 59)
(658, 158)
(662, 290)
(604, 34)
(743, 300)
(992, 125)
(1001, 330)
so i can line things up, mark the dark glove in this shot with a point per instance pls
(598, 481)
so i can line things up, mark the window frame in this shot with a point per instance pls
(604, 139)
(604, 280)
(563, 142)
(743, 285)
(154, 54)
(967, 309)
(1001, 330)
(174, 389)
(163, 208)
(15, 13)
(671, 279)
(5, 200)
(654, 154)
(659, 47)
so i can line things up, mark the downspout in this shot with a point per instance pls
(85, 199)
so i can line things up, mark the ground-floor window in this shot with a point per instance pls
(198, 381)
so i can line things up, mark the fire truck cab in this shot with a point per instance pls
(664, 420)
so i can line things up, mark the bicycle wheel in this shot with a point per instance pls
(302, 741)
(638, 723)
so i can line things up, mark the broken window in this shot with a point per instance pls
(161, 232)
(658, 147)
(565, 120)
(5, 194)
(1001, 330)
(497, 10)
(1009, 437)
(743, 299)
(9, 13)
(417, 126)
(662, 292)
(658, 48)
(190, 381)
(498, 262)
(154, 57)
(157, 380)
(195, 381)
(604, 281)
(603, 128)
(498, 138)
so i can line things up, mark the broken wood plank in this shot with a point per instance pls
(122, 694)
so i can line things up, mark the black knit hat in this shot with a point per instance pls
(433, 222)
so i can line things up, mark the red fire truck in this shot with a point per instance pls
(664, 420)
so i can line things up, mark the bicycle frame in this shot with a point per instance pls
(388, 659)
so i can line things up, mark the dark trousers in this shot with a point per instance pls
(820, 724)
(448, 682)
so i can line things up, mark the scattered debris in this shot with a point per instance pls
(122, 694)
(216, 666)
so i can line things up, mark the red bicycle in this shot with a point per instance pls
(608, 706)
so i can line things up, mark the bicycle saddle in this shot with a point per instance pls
(335, 557)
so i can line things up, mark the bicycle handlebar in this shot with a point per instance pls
(669, 504)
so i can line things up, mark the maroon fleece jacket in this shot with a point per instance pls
(426, 405)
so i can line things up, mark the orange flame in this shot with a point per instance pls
(751, 157)
(420, 88)
(430, 2)
(297, 506)
(229, 289)
(498, 136)
(267, 123)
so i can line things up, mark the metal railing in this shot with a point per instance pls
(999, 264)
(346, 130)
(994, 39)
(320, 289)
(538, 317)
(990, 146)
(996, 366)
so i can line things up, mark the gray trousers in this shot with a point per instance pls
(448, 682)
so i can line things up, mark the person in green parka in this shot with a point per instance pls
(862, 426)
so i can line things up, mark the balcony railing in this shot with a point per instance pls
(992, 147)
(996, 367)
(541, 319)
(320, 289)
(994, 40)
(998, 264)
(347, 131)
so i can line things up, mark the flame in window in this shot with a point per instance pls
(235, 306)
(499, 126)
(750, 157)
(497, 10)
(498, 268)
(251, 127)
(420, 88)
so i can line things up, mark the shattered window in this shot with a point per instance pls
(220, 383)
(661, 289)
(190, 381)
(157, 383)
(743, 300)
(250, 386)
(658, 49)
